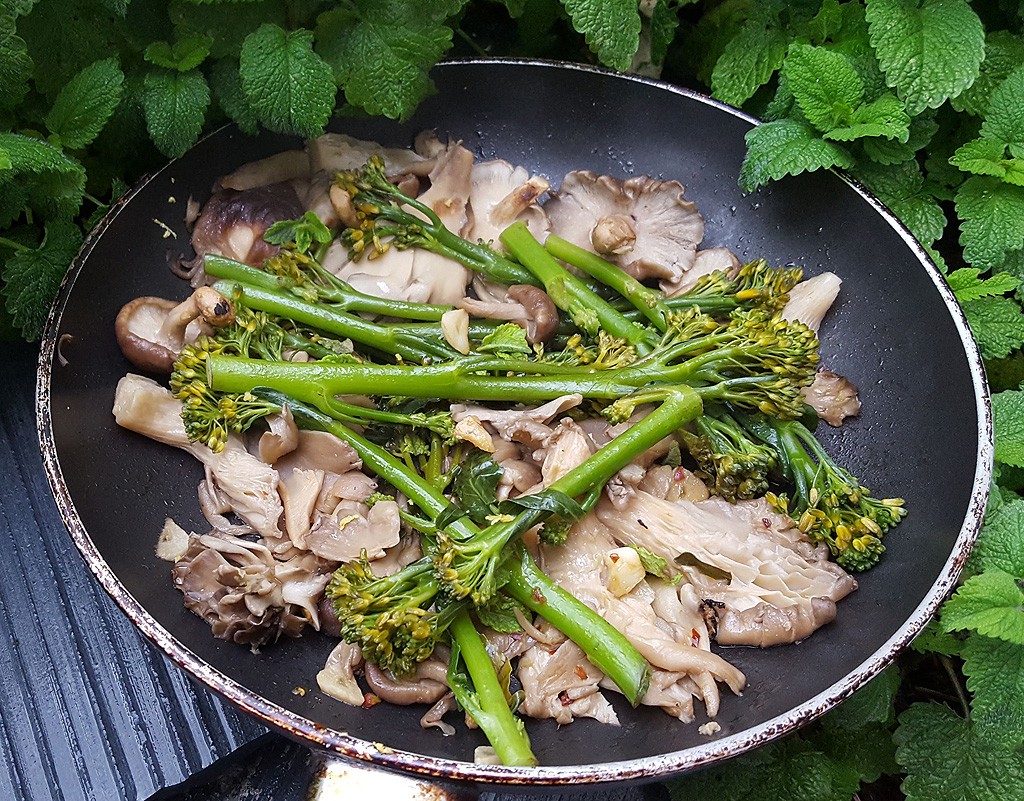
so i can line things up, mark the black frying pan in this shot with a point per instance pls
(924, 434)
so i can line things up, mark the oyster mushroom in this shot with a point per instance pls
(525, 305)
(642, 224)
(152, 331)
(502, 194)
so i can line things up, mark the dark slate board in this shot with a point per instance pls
(88, 710)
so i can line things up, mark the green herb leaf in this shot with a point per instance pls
(175, 106)
(83, 106)
(901, 187)
(288, 86)
(15, 64)
(1004, 52)
(39, 176)
(226, 84)
(508, 341)
(947, 759)
(885, 117)
(748, 62)
(381, 50)
(611, 28)
(967, 284)
(991, 603)
(1008, 421)
(872, 703)
(987, 156)
(303, 232)
(992, 215)
(1004, 120)
(777, 149)
(930, 50)
(998, 325)
(892, 151)
(499, 613)
(825, 85)
(475, 486)
(33, 276)
(184, 55)
(995, 675)
(933, 640)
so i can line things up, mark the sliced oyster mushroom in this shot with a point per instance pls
(642, 224)
(832, 396)
(502, 194)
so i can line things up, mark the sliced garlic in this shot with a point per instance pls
(471, 430)
(625, 570)
(173, 542)
(455, 327)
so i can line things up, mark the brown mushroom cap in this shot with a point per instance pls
(130, 326)
(543, 314)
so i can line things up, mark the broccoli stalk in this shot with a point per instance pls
(307, 279)
(480, 694)
(829, 503)
(587, 309)
(389, 218)
(649, 302)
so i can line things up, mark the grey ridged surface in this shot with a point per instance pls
(88, 710)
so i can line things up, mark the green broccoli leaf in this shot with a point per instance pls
(1008, 421)
(825, 85)
(1003, 53)
(748, 62)
(32, 276)
(656, 565)
(781, 148)
(885, 117)
(948, 759)
(289, 87)
(184, 55)
(995, 675)
(901, 187)
(998, 325)
(508, 340)
(992, 215)
(303, 232)
(967, 285)
(84, 106)
(499, 613)
(1004, 120)
(475, 486)
(930, 50)
(611, 28)
(15, 64)
(381, 50)
(1000, 544)
(991, 603)
(226, 84)
(175, 106)
(790, 769)
(39, 176)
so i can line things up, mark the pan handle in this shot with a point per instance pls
(337, 779)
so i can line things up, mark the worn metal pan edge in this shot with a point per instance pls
(630, 770)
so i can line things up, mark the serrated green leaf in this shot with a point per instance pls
(947, 759)
(85, 105)
(1004, 52)
(790, 770)
(1001, 542)
(15, 64)
(985, 156)
(781, 148)
(992, 215)
(933, 640)
(871, 704)
(33, 276)
(885, 117)
(748, 62)
(499, 613)
(611, 28)
(40, 176)
(930, 50)
(1008, 421)
(825, 85)
(184, 55)
(901, 188)
(892, 151)
(997, 324)
(1004, 119)
(119, 7)
(381, 52)
(826, 23)
(175, 106)
(868, 750)
(226, 85)
(991, 603)
(967, 284)
(227, 24)
(288, 86)
(664, 24)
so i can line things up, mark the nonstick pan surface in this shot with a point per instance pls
(924, 433)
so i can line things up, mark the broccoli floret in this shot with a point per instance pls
(828, 502)
(737, 466)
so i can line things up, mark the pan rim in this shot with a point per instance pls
(644, 768)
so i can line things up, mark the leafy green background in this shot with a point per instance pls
(920, 100)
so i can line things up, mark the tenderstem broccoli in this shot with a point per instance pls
(828, 502)
(737, 466)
